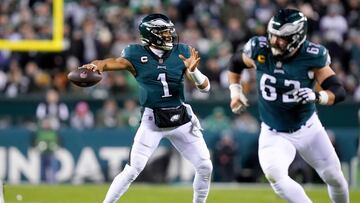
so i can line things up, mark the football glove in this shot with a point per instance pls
(306, 95)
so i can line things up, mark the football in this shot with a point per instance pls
(83, 77)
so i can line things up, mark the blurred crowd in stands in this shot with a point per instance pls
(102, 28)
(110, 115)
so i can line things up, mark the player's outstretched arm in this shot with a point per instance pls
(332, 93)
(238, 62)
(110, 64)
(193, 73)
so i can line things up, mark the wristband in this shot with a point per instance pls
(205, 90)
(197, 77)
(235, 90)
(323, 97)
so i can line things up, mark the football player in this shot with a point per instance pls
(287, 67)
(159, 66)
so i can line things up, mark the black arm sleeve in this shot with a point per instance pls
(237, 64)
(333, 84)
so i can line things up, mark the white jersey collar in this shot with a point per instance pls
(157, 52)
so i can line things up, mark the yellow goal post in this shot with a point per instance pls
(53, 45)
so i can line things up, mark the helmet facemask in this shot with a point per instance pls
(167, 37)
(290, 25)
(158, 31)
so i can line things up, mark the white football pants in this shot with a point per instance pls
(187, 139)
(277, 151)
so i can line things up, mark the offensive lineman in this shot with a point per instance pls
(159, 67)
(287, 66)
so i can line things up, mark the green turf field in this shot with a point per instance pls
(139, 193)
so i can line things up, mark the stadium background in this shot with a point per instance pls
(88, 138)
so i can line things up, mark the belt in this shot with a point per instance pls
(285, 131)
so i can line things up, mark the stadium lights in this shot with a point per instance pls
(53, 45)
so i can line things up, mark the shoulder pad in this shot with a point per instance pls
(183, 49)
(254, 45)
(130, 49)
(318, 54)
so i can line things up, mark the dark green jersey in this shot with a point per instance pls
(161, 80)
(277, 80)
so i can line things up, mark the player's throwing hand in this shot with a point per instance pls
(97, 65)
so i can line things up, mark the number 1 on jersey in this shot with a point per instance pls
(162, 78)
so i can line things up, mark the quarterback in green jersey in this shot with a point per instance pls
(160, 66)
(287, 67)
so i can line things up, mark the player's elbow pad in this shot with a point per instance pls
(333, 84)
